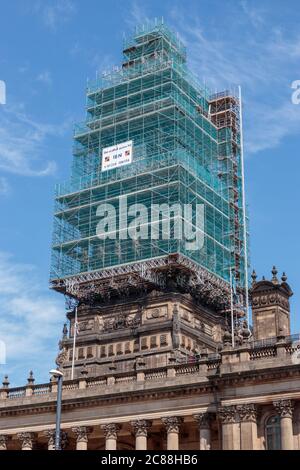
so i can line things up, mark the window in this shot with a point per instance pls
(119, 348)
(153, 342)
(80, 353)
(272, 433)
(163, 340)
(111, 350)
(89, 352)
(103, 351)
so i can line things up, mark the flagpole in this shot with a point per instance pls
(231, 308)
(74, 343)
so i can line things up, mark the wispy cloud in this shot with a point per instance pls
(4, 186)
(136, 14)
(256, 15)
(264, 61)
(23, 143)
(29, 321)
(55, 13)
(44, 77)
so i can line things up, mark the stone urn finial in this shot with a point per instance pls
(30, 379)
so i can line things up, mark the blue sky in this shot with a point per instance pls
(48, 48)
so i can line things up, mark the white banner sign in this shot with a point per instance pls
(117, 155)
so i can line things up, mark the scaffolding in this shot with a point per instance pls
(186, 150)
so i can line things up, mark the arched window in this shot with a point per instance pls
(272, 433)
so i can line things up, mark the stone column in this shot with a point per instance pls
(230, 428)
(140, 428)
(111, 433)
(3, 441)
(50, 435)
(172, 424)
(248, 426)
(285, 410)
(27, 440)
(82, 434)
(203, 420)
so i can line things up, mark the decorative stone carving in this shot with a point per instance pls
(203, 419)
(27, 439)
(98, 323)
(269, 300)
(141, 427)
(85, 325)
(3, 441)
(50, 434)
(156, 313)
(185, 315)
(247, 412)
(227, 414)
(176, 327)
(61, 357)
(120, 322)
(284, 408)
(111, 430)
(172, 423)
(82, 433)
(216, 332)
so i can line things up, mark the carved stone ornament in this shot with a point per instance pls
(3, 441)
(141, 427)
(269, 300)
(227, 414)
(157, 312)
(85, 325)
(203, 419)
(61, 357)
(172, 423)
(111, 430)
(247, 412)
(27, 439)
(120, 322)
(50, 435)
(82, 433)
(284, 408)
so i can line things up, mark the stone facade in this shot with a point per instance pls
(160, 372)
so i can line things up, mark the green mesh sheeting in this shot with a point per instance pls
(180, 155)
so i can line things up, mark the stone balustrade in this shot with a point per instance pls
(256, 351)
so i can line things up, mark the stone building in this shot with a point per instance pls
(157, 352)
(133, 390)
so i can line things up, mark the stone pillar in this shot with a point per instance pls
(248, 426)
(50, 435)
(203, 420)
(140, 428)
(230, 428)
(285, 410)
(27, 440)
(172, 424)
(82, 434)
(3, 441)
(111, 433)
